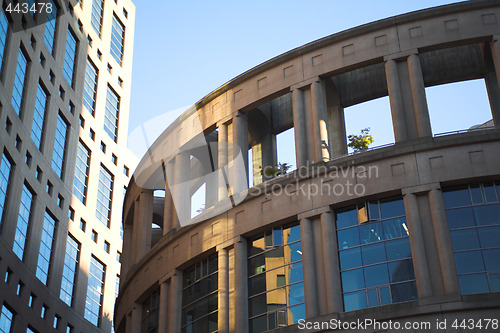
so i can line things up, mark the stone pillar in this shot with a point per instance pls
(418, 95)
(336, 121)
(333, 289)
(241, 286)
(135, 322)
(143, 217)
(299, 126)
(495, 54)
(240, 140)
(223, 291)
(320, 120)
(175, 303)
(417, 246)
(443, 243)
(163, 308)
(128, 252)
(396, 100)
(180, 191)
(167, 209)
(222, 160)
(310, 294)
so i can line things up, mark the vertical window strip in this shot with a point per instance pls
(82, 172)
(93, 303)
(38, 117)
(5, 319)
(4, 25)
(96, 18)
(59, 146)
(5, 167)
(117, 38)
(70, 270)
(90, 89)
(23, 220)
(104, 196)
(17, 93)
(44, 256)
(50, 27)
(111, 114)
(69, 58)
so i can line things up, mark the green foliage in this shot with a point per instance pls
(275, 171)
(360, 143)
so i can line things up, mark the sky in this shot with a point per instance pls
(183, 50)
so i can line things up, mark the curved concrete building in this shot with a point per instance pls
(407, 234)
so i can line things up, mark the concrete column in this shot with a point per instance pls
(423, 121)
(443, 243)
(143, 217)
(495, 54)
(163, 308)
(336, 121)
(396, 100)
(180, 190)
(167, 210)
(320, 120)
(333, 289)
(240, 139)
(417, 246)
(223, 291)
(135, 320)
(241, 286)
(222, 159)
(127, 252)
(311, 296)
(175, 303)
(299, 126)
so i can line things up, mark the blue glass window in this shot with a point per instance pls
(90, 88)
(104, 196)
(117, 38)
(70, 270)
(150, 313)
(38, 116)
(111, 114)
(96, 18)
(375, 257)
(5, 167)
(50, 27)
(6, 319)
(4, 26)
(473, 214)
(69, 58)
(275, 283)
(59, 146)
(82, 172)
(48, 232)
(93, 303)
(23, 221)
(17, 93)
(200, 296)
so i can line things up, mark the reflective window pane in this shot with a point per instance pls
(401, 270)
(376, 275)
(492, 259)
(353, 280)
(465, 239)
(392, 208)
(457, 198)
(373, 254)
(348, 238)
(398, 249)
(371, 232)
(347, 219)
(403, 292)
(460, 218)
(355, 301)
(469, 262)
(350, 258)
(487, 215)
(489, 237)
(474, 283)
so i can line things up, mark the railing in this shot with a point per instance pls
(473, 129)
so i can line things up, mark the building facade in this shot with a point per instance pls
(64, 94)
(403, 234)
